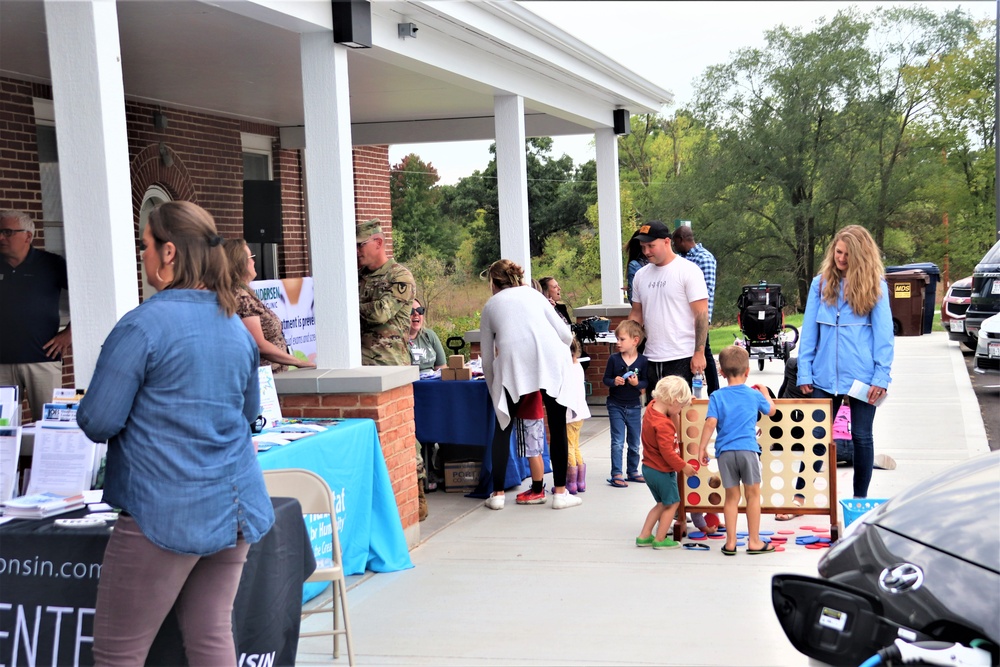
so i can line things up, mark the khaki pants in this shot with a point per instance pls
(34, 381)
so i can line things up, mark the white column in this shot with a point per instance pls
(89, 102)
(512, 180)
(329, 186)
(609, 217)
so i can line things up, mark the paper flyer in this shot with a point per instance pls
(269, 406)
(10, 450)
(859, 390)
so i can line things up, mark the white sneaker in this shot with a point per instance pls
(884, 462)
(561, 501)
(495, 502)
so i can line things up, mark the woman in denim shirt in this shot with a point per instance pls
(847, 336)
(173, 394)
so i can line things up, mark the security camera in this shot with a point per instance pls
(407, 30)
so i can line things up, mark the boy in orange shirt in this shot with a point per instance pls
(661, 459)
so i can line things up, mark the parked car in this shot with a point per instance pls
(988, 347)
(956, 302)
(985, 298)
(900, 573)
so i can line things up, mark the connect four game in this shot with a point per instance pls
(798, 461)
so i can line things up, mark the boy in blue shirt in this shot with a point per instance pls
(733, 409)
(625, 377)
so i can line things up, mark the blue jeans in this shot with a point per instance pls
(626, 422)
(862, 417)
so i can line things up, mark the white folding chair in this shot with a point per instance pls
(314, 495)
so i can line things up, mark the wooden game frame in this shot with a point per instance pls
(798, 458)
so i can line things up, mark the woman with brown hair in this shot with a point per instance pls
(525, 348)
(173, 394)
(263, 325)
(847, 335)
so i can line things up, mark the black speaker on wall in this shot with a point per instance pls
(262, 211)
(621, 122)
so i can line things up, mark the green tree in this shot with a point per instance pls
(417, 222)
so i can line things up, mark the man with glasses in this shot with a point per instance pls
(386, 291)
(31, 286)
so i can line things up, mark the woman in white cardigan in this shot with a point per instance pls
(525, 348)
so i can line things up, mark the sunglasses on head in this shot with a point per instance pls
(418, 311)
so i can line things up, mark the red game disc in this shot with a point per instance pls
(815, 545)
(778, 547)
(786, 532)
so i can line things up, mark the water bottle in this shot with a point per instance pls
(697, 382)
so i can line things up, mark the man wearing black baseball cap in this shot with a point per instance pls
(670, 299)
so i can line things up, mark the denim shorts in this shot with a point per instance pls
(663, 485)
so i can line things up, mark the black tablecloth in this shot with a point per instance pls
(48, 588)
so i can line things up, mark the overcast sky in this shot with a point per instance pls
(669, 43)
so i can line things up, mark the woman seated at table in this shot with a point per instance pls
(263, 325)
(426, 350)
(525, 348)
(173, 394)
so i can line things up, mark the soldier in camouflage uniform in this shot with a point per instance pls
(386, 291)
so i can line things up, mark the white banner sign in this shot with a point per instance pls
(292, 301)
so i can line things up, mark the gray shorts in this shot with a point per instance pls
(741, 466)
(534, 440)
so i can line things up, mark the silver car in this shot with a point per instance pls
(988, 347)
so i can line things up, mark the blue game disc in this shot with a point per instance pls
(697, 535)
(741, 533)
(741, 543)
(823, 540)
(806, 539)
(766, 532)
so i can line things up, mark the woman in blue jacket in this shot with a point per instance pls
(847, 336)
(173, 394)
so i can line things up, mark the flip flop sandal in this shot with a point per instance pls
(728, 552)
(638, 479)
(768, 549)
(618, 482)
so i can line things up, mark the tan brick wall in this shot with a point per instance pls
(393, 414)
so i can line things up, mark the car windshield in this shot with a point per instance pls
(993, 256)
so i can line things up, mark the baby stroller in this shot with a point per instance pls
(762, 323)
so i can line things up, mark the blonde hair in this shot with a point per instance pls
(734, 361)
(864, 270)
(200, 260)
(630, 328)
(575, 348)
(672, 389)
(504, 273)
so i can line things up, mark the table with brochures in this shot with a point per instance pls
(48, 591)
(349, 457)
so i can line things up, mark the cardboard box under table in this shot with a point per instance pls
(461, 476)
(461, 413)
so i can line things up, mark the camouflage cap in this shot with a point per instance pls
(365, 230)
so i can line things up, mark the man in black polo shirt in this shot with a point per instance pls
(31, 283)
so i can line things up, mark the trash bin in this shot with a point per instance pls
(907, 290)
(930, 298)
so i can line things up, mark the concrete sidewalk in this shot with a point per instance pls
(528, 585)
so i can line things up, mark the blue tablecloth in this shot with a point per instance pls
(460, 413)
(349, 457)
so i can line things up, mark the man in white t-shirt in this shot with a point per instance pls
(670, 299)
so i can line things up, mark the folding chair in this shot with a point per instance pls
(314, 495)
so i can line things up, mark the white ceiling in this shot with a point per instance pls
(439, 86)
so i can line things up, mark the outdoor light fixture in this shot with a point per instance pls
(621, 123)
(407, 30)
(352, 23)
(159, 120)
(165, 157)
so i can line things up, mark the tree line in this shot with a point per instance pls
(884, 119)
